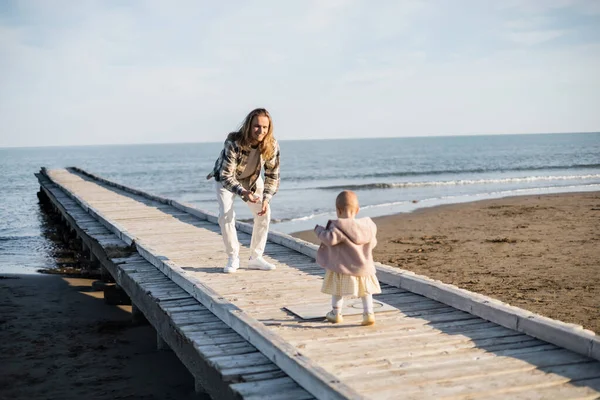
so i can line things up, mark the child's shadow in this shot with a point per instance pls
(300, 323)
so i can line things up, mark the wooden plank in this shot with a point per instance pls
(308, 310)
(489, 385)
(263, 376)
(278, 388)
(389, 367)
(201, 338)
(168, 304)
(456, 352)
(569, 391)
(186, 309)
(183, 319)
(398, 326)
(235, 373)
(408, 343)
(475, 370)
(230, 349)
(446, 356)
(244, 360)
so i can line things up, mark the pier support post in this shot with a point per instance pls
(94, 262)
(198, 388)
(87, 251)
(114, 295)
(42, 196)
(137, 317)
(160, 343)
(104, 274)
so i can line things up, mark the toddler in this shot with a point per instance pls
(346, 253)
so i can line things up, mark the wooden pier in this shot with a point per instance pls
(234, 334)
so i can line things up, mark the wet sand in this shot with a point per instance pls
(59, 340)
(540, 253)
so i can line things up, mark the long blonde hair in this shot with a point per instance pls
(267, 146)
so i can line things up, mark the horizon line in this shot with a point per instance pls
(298, 140)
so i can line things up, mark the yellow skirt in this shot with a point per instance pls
(347, 285)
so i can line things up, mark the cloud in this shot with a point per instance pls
(106, 72)
(543, 6)
(531, 38)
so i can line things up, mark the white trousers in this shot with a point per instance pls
(227, 221)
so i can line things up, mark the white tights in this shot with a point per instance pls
(337, 302)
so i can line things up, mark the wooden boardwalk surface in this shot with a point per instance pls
(223, 363)
(426, 349)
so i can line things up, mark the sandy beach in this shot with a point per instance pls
(59, 340)
(540, 253)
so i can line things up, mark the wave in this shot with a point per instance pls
(9, 238)
(482, 170)
(427, 202)
(402, 185)
(453, 171)
(297, 219)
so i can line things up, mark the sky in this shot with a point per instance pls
(86, 72)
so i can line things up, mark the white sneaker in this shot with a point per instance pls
(232, 265)
(260, 263)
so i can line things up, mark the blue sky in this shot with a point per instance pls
(99, 72)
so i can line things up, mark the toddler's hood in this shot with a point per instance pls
(358, 230)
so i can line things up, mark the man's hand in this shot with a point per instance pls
(265, 207)
(249, 196)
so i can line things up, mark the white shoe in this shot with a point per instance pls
(260, 263)
(232, 265)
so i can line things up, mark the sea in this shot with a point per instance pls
(390, 175)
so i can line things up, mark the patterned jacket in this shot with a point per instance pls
(232, 163)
